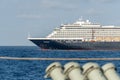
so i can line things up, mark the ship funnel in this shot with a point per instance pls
(54, 71)
(109, 72)
(72, 71)
(92, 71)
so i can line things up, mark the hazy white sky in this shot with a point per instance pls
(40, 17)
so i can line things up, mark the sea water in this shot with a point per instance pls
(35, 69)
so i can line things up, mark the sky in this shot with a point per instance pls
(18, 18)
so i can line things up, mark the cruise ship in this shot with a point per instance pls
(81, 35)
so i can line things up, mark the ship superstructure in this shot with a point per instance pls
(81, 35)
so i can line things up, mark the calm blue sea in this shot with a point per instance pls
(35, 70)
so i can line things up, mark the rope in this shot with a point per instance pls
(28, 58)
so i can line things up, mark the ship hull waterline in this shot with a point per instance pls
(75, 45)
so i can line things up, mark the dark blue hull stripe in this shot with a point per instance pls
(54, 44)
